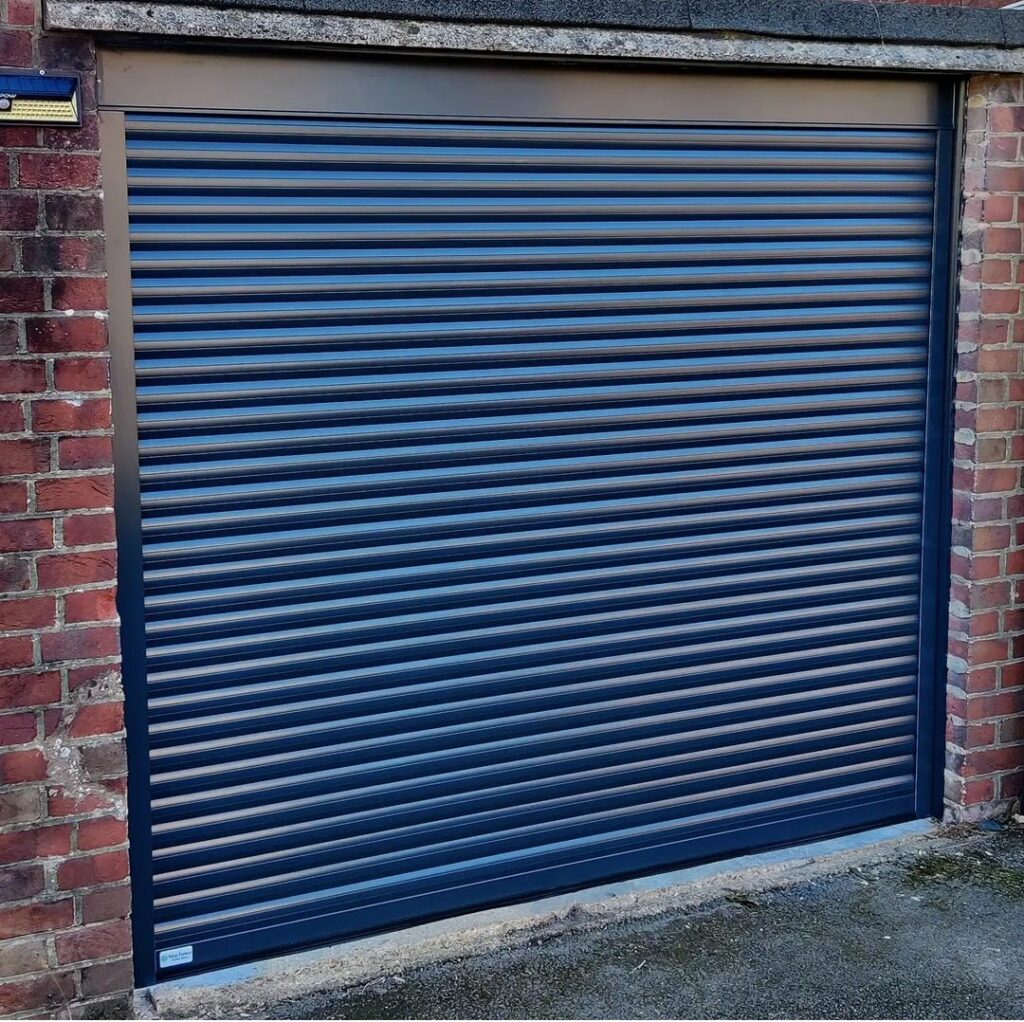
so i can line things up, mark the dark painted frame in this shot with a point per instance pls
(936, 526)
(939, 427)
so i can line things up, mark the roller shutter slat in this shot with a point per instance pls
(518, 500)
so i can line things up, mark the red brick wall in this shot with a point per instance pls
(64, 899)
(985, 732)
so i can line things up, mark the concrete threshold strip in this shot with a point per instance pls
(352, 964)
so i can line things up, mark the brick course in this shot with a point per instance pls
(64, 897)
(985, 724)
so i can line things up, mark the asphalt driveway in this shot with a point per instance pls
(928, 932)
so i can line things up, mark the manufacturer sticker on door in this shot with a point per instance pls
(176, 956)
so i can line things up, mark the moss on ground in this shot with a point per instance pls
(967, 867)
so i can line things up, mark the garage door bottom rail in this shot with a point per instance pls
(480, 886)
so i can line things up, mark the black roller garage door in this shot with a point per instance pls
(525, 498)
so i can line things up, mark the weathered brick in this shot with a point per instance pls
(979, 735)
(20, 806)
(15, 651)
(82, 374)
(999, 360)
(28, 612)
(21, 12)
(29, 689)
(999, 208)
(105, 677)
(22, 766)
(12, 416)
(78, 293)
(80, 643)
(1011, 730)
(13, 498)
(977, 791)
(987, 761)
(65, 212)
(89, 529)
(991, 594)
(18, 212)
(1011, 785)
(1005, 179)
(23, 376)
(61, 803)
(17, 883)
(15, 574)
(25, 456)
(83, 138)
(994, 420)
(70, 415)
(75, 493)
(102, 832)
(35, 843)
(62, 253)
(16, 49)
(22, 957)
(90, 605)
(36, 918)
(100, 940)
(988, 450)
(106, 903)
(1000, 301)
(52, 171)
(75, 568)
(104, 759)
(1012, 675)
(982, 625)
(90, 870)
(9, 336)
(21, 294)
(20, 136)
(6, 251)
(999, 240)
(73, 52)
(51, 992)
(58, 335)
(26, 534)
(995, 704)
(107, 977)
(85, 452)
(98, 719)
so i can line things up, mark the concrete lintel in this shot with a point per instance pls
(121, 18)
